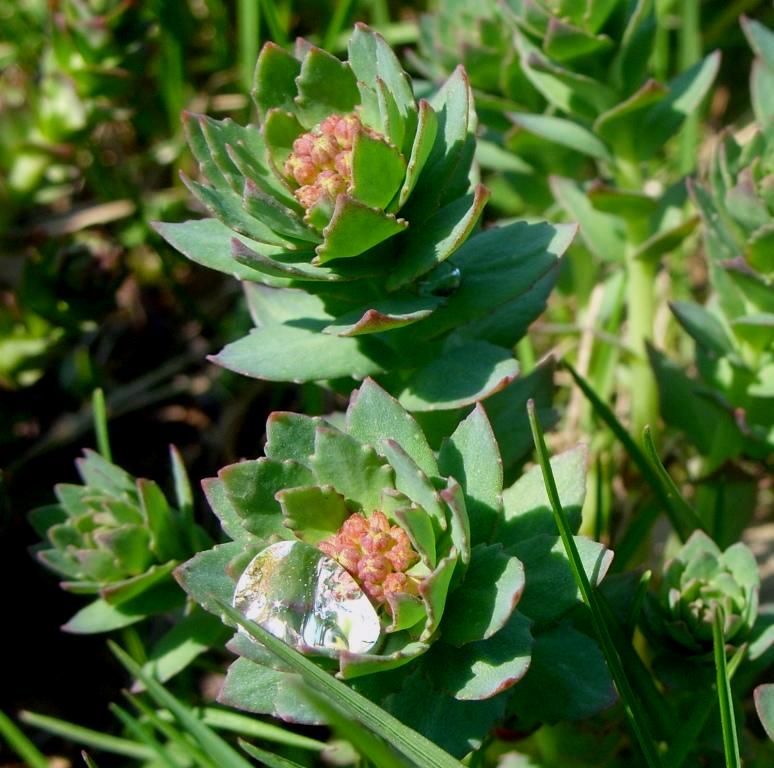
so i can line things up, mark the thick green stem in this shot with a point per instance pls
(641, 302)
(689, 54)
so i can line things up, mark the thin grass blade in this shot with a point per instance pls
(727, 719)
(20, 744)
(99, 410)
(632, 706)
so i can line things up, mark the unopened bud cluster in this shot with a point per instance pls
(375, 553)
(321, 160)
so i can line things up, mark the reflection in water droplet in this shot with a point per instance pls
(306, 598)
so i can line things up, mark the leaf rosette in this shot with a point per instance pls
(115, 537)
(734, 330)
(397, 568)
(348, 213)
(700, 580)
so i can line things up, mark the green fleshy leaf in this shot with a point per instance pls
(630, 205)
(573, 93)
(393, 123)
(275, 79)
(551, 590)
(281, 129)
(764, 706)
(265, 267)
(115, 594)
(278, 306)
(703, 326)
(354, 228)
(290, 436)
(353, 665)
(384, 315)
(371, 57)
(452, 107)
(354, 469)
(665, 240)
(603, 233)
(419, 527)
(285, 353)
(685, 404)
(192, 636)
(619, 126)
(565, 42)
(567, 679)
(760, 249)
(472, 457)
(412, 481)
(206, 242)
(197, 141)
(256, 688)
(457, 726)
(686, 92)
(166, 540)
(378, 169)
(226, 205)
(432, 243)
(506, 275)
(99, 473)
(482, 669)
(282, 220)
(527, 509)
(326, 86)
(434, 590)
(205, 576)
(460, 376)
(561, 131)
(424, 141)
(313, 513)
(224, 509)
(459, 524)
(374, 415)
(101, 616)
(251, 487)
(486, 599)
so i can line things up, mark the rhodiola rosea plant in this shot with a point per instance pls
(410, 574)
(349, 212)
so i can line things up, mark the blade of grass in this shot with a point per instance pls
(690, 729)
(143, 735)
(683, 519)
(88, 737)
(88, 760)
(269, 759)
(250, 726)
(99, 409)
(682, 510)
(20, 744)
(221, 753)
(408, 742)
(371, 747)
(176, 739)
(338, 20)
(183, 491)
(632, 706)
(248, 29)
(727, 720)
(277, 31)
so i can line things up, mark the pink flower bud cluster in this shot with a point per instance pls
(321, 160)
(375, 553)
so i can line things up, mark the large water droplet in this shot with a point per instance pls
(306, 599)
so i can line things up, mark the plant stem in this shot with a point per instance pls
(99, 410)
(249, 30)
(689, 53)
(727, 721)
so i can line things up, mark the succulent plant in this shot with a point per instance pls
(117, 538)
(700, 580)
(347, 212)
(401, 570)
(734, 330)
